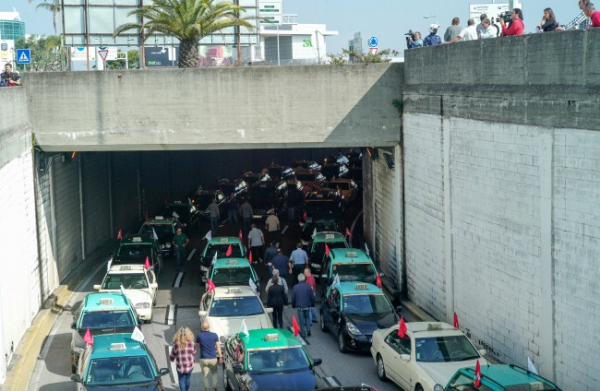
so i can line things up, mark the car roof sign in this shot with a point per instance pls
(177, 202)
(107, 301)
(159, 218)
(125, 267)
(232, 262)
(234, 290)
(361, 287)
(224, 240)
(351, 254)
(136, 239)
(118, 346)
(329, 236)
(272, 337)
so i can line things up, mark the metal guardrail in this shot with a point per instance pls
(580, 22)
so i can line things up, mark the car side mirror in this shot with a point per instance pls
(405, 357)
(202, 313)
(482, 352)
(269, 310)
(317, 361)
(154, 286)
(97, 287)
(237, 368)
(164, 371)
(76, 378)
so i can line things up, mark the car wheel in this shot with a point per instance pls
(341, 343)
(322, 323)
(381, 369)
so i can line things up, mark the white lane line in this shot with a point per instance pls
(332, 381)
(284, 229)
(189, 258)
(178, 280)
(171, 312)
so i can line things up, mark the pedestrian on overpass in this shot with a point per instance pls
(256, 242)
(298, 261)
(215, 215)
(183, 353)
(246, 212)
(180, 240)
(516, 27)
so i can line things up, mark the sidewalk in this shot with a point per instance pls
(27, 353)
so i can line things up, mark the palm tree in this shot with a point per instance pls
(52, 6)
(187, 20)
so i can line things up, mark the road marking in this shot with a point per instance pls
(299, 337)
(333, 381)
(173, 367)
(191, 255)
(171, 315)
(178, 280)
(285, 229)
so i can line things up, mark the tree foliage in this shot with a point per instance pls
(52, 6)
(187, 20)
(350, 56)
(133, 57)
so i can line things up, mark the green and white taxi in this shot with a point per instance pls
(139, 284)
(349, 264)
(316, 249)
(268, 359)
(220, 245)
(118, 362)
(226, 308)
(233, 272)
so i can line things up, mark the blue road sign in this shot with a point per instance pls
(373, 42)
(23, 56)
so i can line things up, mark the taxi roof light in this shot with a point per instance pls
(351, 254)
(118, 346)
(126, 267)
(234, 290)
(271, 337)
(177, 202)
(107, 301)
(361, 287)
(224, 240)
(434, 326)
(329, 236)
(232, 262)
(136, 239)
(159, 218)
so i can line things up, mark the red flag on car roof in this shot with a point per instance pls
(229, 251)
(378, 281)
(456, 325)
(250, 257)
(326, 249)
(147, 264)
(211, 285)
(87, 338)
(295, 327)
(120, 234)
(402, 328)
(348, 233)
(477, 382)
(241, 236)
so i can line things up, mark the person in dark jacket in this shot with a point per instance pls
(303, 298)
(549, 22)
(276, 299)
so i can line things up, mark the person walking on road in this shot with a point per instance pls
(276, 299)
(183, 353)
(270, 253)
(272, 225)
(298, 261)
(312, 282)
(246, 212)
(180, 240)
(281, 281)
(256, 242)
(210, 355)
(232, 209)
(215, 215)
(303, 298)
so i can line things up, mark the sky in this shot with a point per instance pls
(388, 20)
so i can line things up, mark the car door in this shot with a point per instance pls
(405, 368)
(390, 353)
(335, 314)
(152, 284)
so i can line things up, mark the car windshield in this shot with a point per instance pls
(221, 249)
(128, 280)
(366, 304)
(136, 252)
(224, 276)
(445, 349)
(328, 225)
(319, 249)
(116, 371)
(277, 360)
(96, 320)
(356, 272)
(162, 230)
(235, 306)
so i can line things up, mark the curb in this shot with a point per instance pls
(32, 342)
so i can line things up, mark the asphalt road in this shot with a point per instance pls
(177, 305)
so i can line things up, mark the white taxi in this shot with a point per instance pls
(140, 287)
(225, 308)
(426, 358)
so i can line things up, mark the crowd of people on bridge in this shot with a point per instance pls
(492, 27)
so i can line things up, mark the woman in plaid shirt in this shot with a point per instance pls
(183, 353)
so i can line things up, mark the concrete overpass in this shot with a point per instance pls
(491, 210)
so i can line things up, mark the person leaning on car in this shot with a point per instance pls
(516, 27)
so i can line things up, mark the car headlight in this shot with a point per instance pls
(352, 329)
(168, 245)
(142, 306)
(438, 387)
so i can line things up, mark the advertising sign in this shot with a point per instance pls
(491, 10)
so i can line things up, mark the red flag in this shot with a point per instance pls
(241, 236)
(456, 325)
(295, 326)
(120, 234)
(378, 281)
(229, 250)
(305, 216)
(402, 328)
(250, 257)
(348, 233)
(147, 264)
(211, 285)
(477, 382)
(326, 249)
(87, 338)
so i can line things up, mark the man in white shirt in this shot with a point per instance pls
(468, 34)
(256, 242)
(272, 225)
(487, 31)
